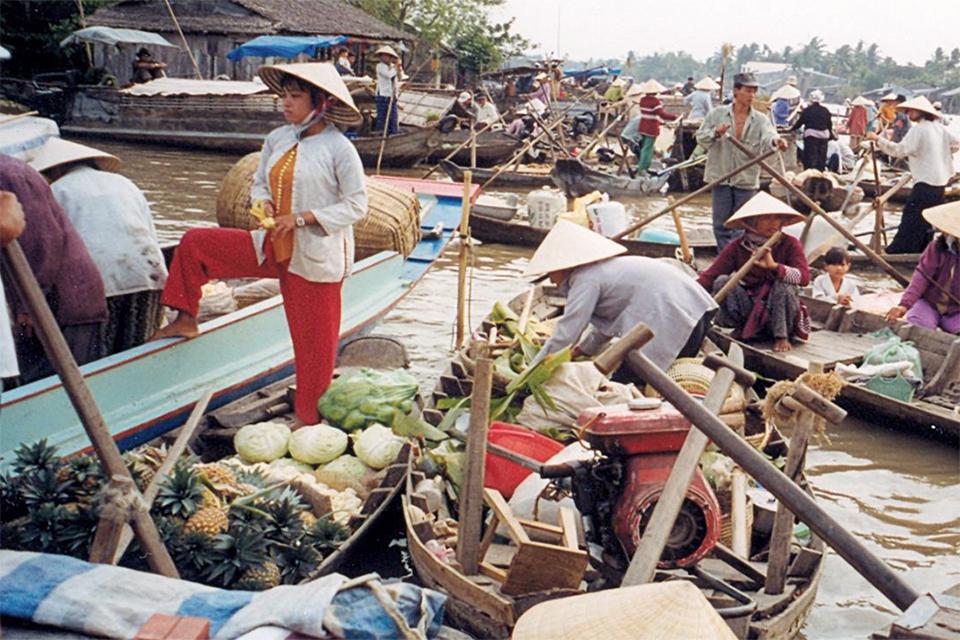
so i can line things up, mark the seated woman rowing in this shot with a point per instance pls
(310, 184)
(767, 300)
(935, 305)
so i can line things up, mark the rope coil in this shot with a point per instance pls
(120, 500)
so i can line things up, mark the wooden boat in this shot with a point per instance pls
(499, 207)
(517, 233)
(400, 150)
(478, 605)
(150, 389)
(576, 179)
(841, 335)
(493, 147)
(952, 191)
(530, 176)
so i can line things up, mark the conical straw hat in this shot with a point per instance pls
(674, 609)
(707, 84)
(787, 92)
(763, 204)
(57, 151)
(920, 103)
(860, 101)
(387, 49)
(651, 86)
(890, 97)
(570, 245)
(945, 217)
(322, 75)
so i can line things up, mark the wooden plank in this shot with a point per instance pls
(569, 524)
(495, 501)
(491, 571)
(540, 567)
(541, 526)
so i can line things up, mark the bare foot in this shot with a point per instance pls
(185, 326)
(781, 344)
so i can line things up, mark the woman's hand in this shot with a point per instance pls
(766, 260)
(896, 313)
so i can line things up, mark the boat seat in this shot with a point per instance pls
(535, 566)
(823, 347)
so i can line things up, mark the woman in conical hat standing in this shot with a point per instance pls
(311, 189)
(767, 300)
(924, 303)
(613, 293)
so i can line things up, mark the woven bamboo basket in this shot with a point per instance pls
(392, 222)
(726, 525)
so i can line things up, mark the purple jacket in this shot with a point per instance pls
(938, 262)
(59, 259)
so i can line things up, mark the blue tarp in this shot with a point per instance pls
(284, 46)
(583, 74)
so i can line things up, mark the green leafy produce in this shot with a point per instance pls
(262, 442)
(366, 396)
(318, 444)
(377, 446)
(346, 472)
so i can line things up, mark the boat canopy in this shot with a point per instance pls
(284, 46)
(118, 37)
(191, 87)
(4, 54)
(583, 74)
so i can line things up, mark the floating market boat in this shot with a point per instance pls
(489, 604)
(842, 336)
(493, 147)
(524, 176)
(150, 389)
(576, 179)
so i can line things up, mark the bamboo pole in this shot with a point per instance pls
(183, 39)
(471, 500)
(83, 401)
(684, 244)
(818, 210)
(386, 127)
(878, 220)
(690, 196)
(586, 150)
(747, 267)
(464, 249)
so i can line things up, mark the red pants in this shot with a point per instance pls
(312, 308)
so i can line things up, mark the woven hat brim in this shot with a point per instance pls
(570, 245)
(921, 104)
(342, 111)
(57, 151)
(763, 204)
(945, 218)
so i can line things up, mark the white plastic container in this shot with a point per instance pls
(543, 207)
(607, 218)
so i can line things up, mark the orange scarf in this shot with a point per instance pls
(281, 186)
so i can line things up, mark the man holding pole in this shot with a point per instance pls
(751, 127)
(388, 85)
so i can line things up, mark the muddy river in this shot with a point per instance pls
(899, 493)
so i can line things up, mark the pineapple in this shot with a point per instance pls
(180, 493)
(284, 509)
(210, 499)
(298, 562)
(308, 519)
(209, 520)
(35, 457)
(43, 486)
(234, 553)
(84, 473)
(260, 578)
(220, 478)
(144, 462)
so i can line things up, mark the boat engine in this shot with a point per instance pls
(617, 491)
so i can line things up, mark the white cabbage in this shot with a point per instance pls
(346, 472)
(377, 446)
(287, 468)
(318, 444)
(262, 442)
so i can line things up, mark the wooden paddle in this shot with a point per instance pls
(50, 336)
(747, 266)
(818, 210)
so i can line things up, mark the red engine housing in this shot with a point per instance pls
(648, 442)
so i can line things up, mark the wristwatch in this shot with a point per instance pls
(300, 221)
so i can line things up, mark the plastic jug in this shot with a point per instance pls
(543, 207)
(608, 218)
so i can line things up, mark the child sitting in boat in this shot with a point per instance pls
(933, 298)
(767, 300)
(834, 285)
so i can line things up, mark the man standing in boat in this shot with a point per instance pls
(388, 89)
(613, 293)
(751, 127)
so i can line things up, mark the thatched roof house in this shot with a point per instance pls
(214, 27)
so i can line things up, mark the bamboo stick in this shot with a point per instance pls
(747, 266)
(464, 248)
(386, 128)
(183, 38)
(684, 244)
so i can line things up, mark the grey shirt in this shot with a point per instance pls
(616, 294)
(758, 134)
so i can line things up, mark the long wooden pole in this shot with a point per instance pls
(690, 196)
(586, 150)
(471, 503)
(464, 249)
(681, 232)
(386, 127)
(82, 400)
(183, 39)
(522, 150)
(818, 210)
(878, 223)
(890, 583)
(747, 266)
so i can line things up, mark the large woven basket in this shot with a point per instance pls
(392, 222)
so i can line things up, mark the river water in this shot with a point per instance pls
(898, 493)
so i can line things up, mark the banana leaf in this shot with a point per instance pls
(537, 375)
(410, 426)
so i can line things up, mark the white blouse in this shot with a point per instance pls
(328, 181)
(823, 288)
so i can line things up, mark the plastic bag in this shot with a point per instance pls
(360, 398)
(217, 301)
(895, 350)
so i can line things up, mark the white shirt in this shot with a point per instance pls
(487, 113)
(8, 353)
(823, 288)
(928, 147)
(328, 181)
(113, 217)
(700, 104)
(386, 79)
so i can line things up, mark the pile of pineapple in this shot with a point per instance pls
(225, 526)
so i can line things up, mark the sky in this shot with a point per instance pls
(908, 31)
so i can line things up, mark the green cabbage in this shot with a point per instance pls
(346, 472)
(262, 442)
(317, 444)
(363, 397)
(377, 446)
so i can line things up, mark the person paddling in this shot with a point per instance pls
(310, 182)
(767, 300)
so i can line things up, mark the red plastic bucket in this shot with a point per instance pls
(504, 475)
